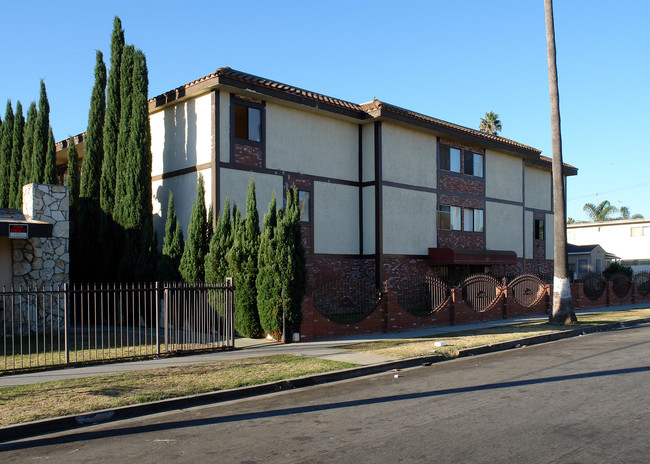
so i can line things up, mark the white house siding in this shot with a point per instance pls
(368, 220)
(181, 135)
(336, 218)
(615, 237)
(503, 176)
(184, 189)
(309, 143)
(409, 221)
(503, 227)
(234, 183)
(538, 188)
(368, 152)
(408, 156)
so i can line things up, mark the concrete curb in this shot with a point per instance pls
(58, 424)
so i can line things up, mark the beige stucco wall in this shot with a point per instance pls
(6, 274)
(181, 135)
(224, 126)
(336, 218)
(184, 190)
(369, 220)
(408, 156)
(368, 152)
(409, 221)
(234, 183)
(503, 227)
(306, 142)
(538, 188)
(503, 176)
(550, 236)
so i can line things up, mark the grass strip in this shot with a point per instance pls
(458, 340)
(76, 396)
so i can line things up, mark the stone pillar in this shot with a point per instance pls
(39, 262)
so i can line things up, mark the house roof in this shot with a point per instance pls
(617, 222)
(579, 249)
(229, 77)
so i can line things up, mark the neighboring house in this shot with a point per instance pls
(628, 239)
(387, 193)
(587, 259)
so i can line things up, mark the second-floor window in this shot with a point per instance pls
(449, 217)
(473, 220)
(461, 161)
(248, 123)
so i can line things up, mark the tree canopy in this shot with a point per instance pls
(490, 124)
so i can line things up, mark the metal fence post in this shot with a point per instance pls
(166, 316)
(157, 306)
(65, 325)
(230, 305)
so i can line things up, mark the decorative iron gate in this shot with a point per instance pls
(481, 292)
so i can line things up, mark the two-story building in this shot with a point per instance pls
(628, 239)
(387, 193)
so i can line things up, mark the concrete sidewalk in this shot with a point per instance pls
(249, 348)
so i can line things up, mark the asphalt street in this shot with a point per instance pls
(580, 400)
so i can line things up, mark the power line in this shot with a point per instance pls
(609, 191)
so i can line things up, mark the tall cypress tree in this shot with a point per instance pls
(41, 135)
(112, 121)
(72, 182)
(28, 143)
(269, 288)
(293, 263)
(216, 265)
(50, 176)
(16, 188)
(173, 245)
(139, 146)
(122, 160)
(5, 155)
(93, 143)
(242, 260)
(192, 263)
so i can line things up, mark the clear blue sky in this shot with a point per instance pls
(453, 60)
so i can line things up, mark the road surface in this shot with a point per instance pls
(580, 400)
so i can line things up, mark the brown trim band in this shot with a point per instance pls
(182, 172)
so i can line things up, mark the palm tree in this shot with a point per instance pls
(625, 214)
(562, 312)
(602, 211)
(490, 124)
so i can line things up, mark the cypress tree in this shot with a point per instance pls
(192, 261)
(89, 217)
(41, 135)
(16, 188)
(269, 301)
(72, 182)
(122, 160)
(28, 143)
(173, 245)
(93, 142)
(293, 263)
(112, 121)
(50, 176)
(5, 155)
(139, 147)
(216, 265)
(209, 231)
(242, 259)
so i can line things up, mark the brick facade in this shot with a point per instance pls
(247, 155)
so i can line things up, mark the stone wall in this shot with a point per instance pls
(39, 262)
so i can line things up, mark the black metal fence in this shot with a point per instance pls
(74, 324)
